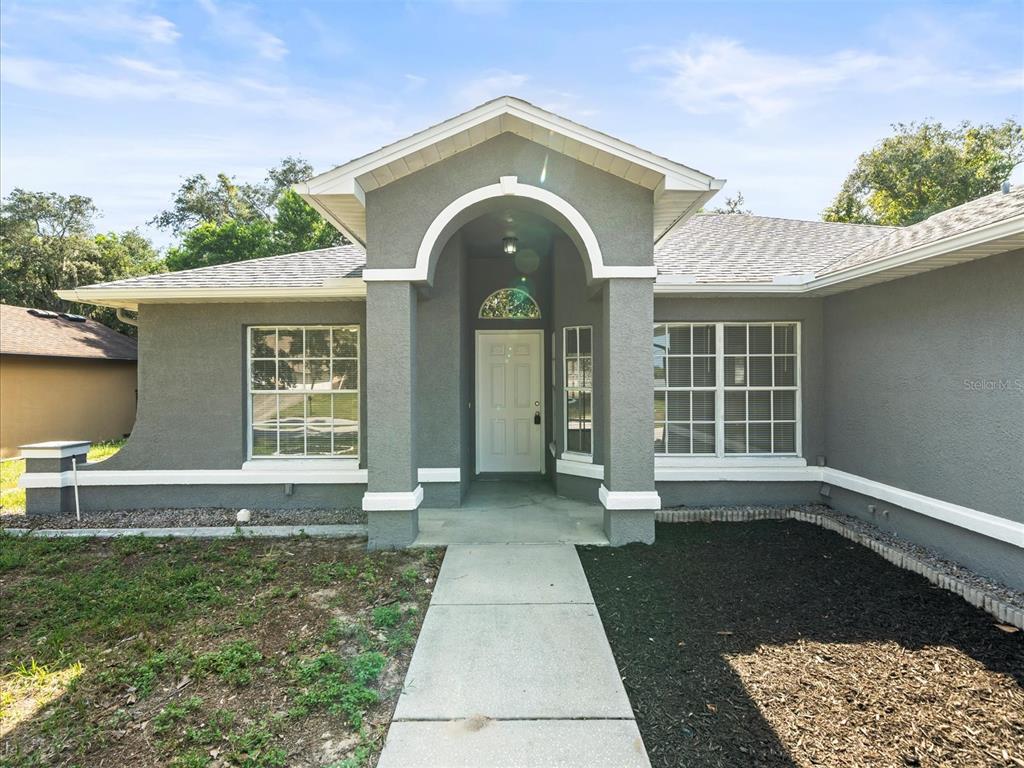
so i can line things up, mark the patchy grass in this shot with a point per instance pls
(12, 498)
(154, 652)
(781, 644)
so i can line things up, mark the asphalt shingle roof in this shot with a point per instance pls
(22, 333)
(724, 247)
(976, 213)
(308, 269)
(709, 248)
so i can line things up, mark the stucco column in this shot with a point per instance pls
(628, 493)
(393, 494)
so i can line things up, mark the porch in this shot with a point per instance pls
(517, 509)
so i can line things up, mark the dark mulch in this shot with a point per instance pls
(780, 644)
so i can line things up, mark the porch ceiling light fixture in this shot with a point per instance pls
(509, 245)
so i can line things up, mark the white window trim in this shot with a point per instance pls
(720, 458)
(317, 462)
(568, 455)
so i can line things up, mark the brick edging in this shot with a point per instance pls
(979, 598)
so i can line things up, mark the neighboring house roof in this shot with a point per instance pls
(710, 253)
(340, 194)
(733, 247)
(55, 335)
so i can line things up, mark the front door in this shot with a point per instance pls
(509, 401)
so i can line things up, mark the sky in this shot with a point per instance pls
(121, 100)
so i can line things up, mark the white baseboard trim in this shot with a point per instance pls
(629, 499)
(579, 469)
(393, 501)
(439, 474)
(710, 474)
(125, 477)
(964, 517)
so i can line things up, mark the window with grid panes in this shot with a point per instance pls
(760, 381)
(685, 366)
(726, 388)
(304, 391)
(579, 371)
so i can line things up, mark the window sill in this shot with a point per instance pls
(582, 458)
(299, 463)
(716, 462)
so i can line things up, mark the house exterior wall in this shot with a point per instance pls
(903, 397)
(57, 398)
(192, 380)
(925, 391)
(398, 214)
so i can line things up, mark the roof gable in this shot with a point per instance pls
(339, 194)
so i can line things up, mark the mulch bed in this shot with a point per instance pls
(777, 643)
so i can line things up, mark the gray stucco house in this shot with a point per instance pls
(525, 294)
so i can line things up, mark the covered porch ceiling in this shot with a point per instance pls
(340, 194)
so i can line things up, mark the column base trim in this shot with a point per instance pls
(628, 499)
(393, 501)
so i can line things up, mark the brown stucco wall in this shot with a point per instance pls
(52, 398)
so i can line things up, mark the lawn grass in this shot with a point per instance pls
(12, 498)
(154, 652)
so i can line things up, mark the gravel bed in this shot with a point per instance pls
(199, 517)
(928, 556)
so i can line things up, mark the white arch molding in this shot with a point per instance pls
(507, 185)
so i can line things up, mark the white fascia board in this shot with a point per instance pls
(132, 297)
(695, 206)
(341, 180)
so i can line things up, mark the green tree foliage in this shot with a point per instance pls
(222, 222)
(47, 242)
(925, 168)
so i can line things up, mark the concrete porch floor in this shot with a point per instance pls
(513, 510)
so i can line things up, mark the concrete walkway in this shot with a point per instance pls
(512, 668)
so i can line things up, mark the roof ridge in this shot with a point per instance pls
(887, 227)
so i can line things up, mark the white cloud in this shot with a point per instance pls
(235, 23)
(721, 75)
(116, 18)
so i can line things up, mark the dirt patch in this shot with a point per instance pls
(780, 644)
(255, 653)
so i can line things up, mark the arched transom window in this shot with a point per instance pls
(509, 304)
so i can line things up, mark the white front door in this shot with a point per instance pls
(509, 401)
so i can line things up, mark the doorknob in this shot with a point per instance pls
(536, 417)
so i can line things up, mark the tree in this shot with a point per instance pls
(925, 168)
(224, 222)
(733, 205)
(47, 243)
